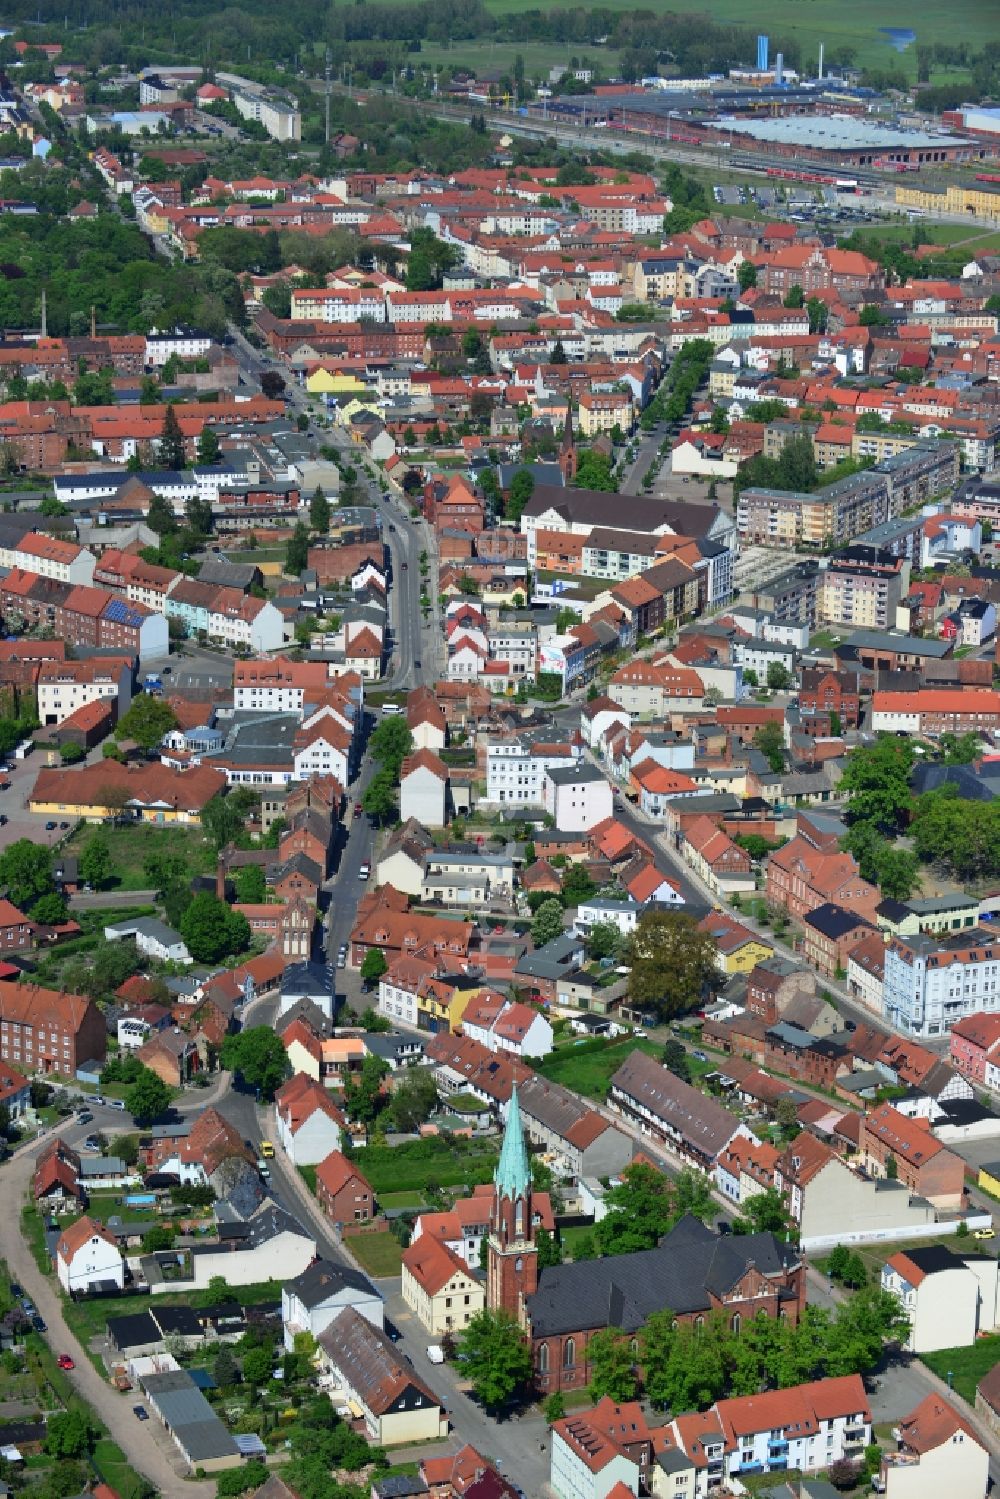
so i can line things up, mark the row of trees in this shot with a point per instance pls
(684, 1366)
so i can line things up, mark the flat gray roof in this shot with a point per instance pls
(834, 133)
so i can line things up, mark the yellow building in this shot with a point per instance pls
(438, 1288)
(989, 1178)
(979, 202)
(324, 382)
(440, 1005)
(741, 954)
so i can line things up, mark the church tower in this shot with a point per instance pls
(567, 452)
(512, 1259)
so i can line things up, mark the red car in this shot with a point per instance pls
(358, 809)
(65, 1362)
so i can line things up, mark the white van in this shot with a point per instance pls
(389, 709)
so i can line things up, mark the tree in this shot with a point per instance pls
(363, 1091)
(49, 910)
(379, 799)
(612, 1367)
(26, 871)
(786, 1116)
(577, 885)
(819, 314)
(604, 940)
(495, 1356)
(554, 1407)
(257, 1365)
(373, 965)
(69, 1433)
(258, 1056)
(319, 512)
(391, 743)
(558, 355)
(891, 1168)
(71, 753)
(413, 1101)
(675, 1060)
(844, 1474)
(146, 721)
(251, 886)
(959, 749)
(642, 1208)
(209, 447)
(147, 1098)
(876, 782)
(297, 550)
(672, 963)
(522, 487)
(778, 676)
(242, 1480)
(747, 275)
(224, 817)
(548, 922)
(770, 740)
(795, 297)
(171, 447)
(95, 861)
(764, 1212)
(549, 1250)
(213, 930)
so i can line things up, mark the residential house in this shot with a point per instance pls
(342, 1191)
(316, 1298)
(438, 1288)
(365, 1370)
(88, 1259)
(671, 1112)
(938, 1452)
(948, 1300)
(892, 1144)
(308, 1123)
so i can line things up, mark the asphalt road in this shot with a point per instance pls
(147, 1446)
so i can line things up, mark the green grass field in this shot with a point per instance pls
(589, 1068)
(131, 846)
(380, 1254)
(417, 1165)
(401, 1200)
(966, 1365)
(851, 23)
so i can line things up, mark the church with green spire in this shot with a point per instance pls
(512, 1259)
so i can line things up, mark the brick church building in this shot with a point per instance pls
(693, 1271)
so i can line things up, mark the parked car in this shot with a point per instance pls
(85, 1117)
(140, 1412)
(65, 1362)
(91, 1143)
(985, 1233)
(365, 871)
(50, 827)
(38, 1324)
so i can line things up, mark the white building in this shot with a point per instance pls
(186, 343)
(623, 914)
(586, 1465)
(88, 1257)
(578, 797)
(152, 937)
(308, 1123)
(64, 686)
(423, 789)
(948, 1300)
(500, 1025)
(938, 1453)
(928, 984)
(314, 1299)
(516, 769)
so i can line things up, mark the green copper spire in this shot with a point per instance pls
(513, 1173)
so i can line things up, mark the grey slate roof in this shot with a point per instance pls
(705, 1124)
(323, 1278)
(689, 1267)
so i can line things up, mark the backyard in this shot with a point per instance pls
(380, 1254)
(419, 1165)
(131, 846)
(589, 1066)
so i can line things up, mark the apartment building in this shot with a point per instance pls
(42, 1030)
(936, 710)
(672, 1113)
(920, 1161)
(931, 983)
(516, 769)
(861, 587)
(65, 686)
